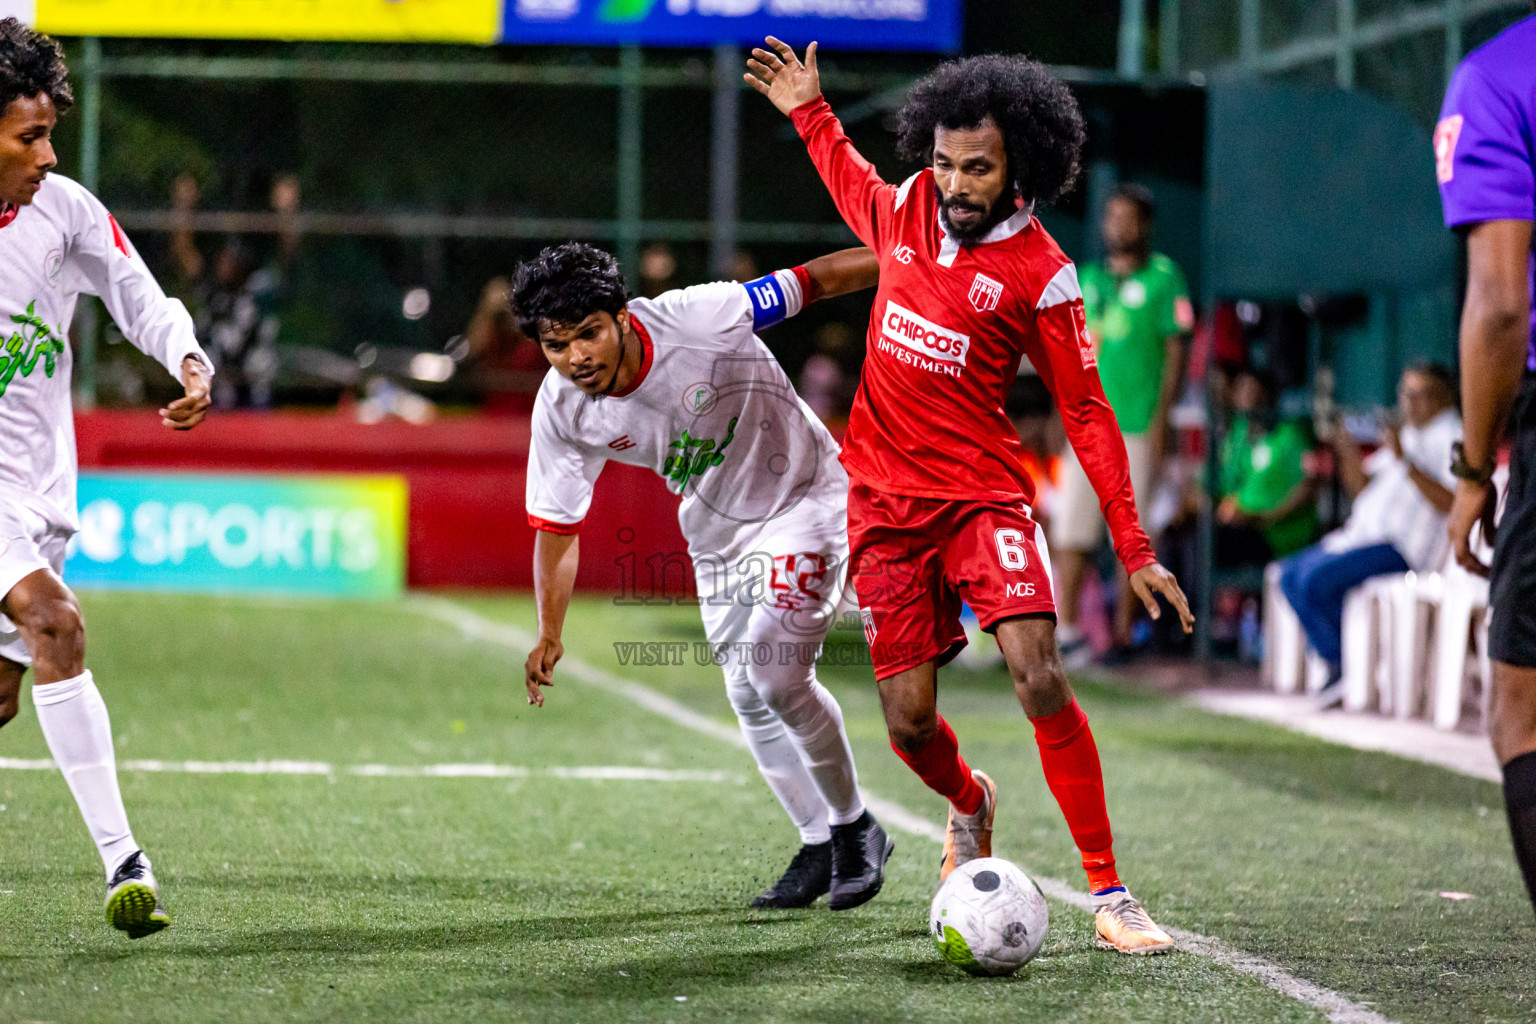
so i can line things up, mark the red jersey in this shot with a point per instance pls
(949, 326)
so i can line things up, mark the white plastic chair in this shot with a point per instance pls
(1463, 626)
(1367, 633)
(1463, 606)
(1284, 646)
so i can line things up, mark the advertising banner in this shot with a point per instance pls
(406, 21)
(835, 24)
(932, 25)
(338, 535)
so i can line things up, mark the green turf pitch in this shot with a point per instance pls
(554, 899)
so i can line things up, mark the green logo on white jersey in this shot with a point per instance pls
(696, 455)
(21, 351)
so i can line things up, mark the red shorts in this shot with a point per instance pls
(913, 560)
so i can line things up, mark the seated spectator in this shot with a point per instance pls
(1266, 498)
(1401, 496)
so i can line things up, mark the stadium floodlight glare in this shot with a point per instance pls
(433, 367)
(416, 303)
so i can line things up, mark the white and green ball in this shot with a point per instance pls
(988, 917)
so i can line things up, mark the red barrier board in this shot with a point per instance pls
(467, 527)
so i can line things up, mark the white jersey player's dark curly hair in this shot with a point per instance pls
(565, 284)
(32, 64)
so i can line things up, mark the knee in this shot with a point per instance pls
(10, 691)
(910, 732)
(57, 623)
(1040, 682)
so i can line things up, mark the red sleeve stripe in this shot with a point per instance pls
(810, 288)
(549, 526)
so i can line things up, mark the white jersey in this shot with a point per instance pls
(62, 245)
(711, 411)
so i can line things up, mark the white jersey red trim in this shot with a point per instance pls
(713, 414)
(63, 245)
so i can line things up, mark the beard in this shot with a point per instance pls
(1005, 207)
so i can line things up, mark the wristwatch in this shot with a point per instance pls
(1464, 470)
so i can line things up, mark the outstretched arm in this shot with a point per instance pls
(1495, 329)
(1067, 365)
(862, 198)
(782, 294)
(555, 557)
(156, 324)
(840, 273)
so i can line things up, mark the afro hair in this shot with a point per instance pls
(565, 284)
(31, 63)
(1038, 115)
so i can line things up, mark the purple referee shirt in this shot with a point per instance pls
(1485, 143)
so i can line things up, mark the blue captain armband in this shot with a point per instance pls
(777, 296)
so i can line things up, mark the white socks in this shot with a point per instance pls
(778, 759)
(815, 723)
(79, 736)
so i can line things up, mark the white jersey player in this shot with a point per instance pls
(682, 384)
(57, 242)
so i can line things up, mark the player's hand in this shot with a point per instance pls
(189, 410)
(1472, 503)
(781, 77)
(540, 668)
(1152, 580)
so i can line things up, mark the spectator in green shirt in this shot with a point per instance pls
(1139, 316)
(1267, 501)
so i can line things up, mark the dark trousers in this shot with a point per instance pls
(1315, 582)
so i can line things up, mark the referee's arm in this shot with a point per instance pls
(1495, 330)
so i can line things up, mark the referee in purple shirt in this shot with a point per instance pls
(1485, 159)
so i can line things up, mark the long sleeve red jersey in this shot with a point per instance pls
(949, 325)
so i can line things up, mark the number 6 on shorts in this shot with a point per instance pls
(1010, 549)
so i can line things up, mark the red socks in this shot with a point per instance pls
(1071, 763)
(940, 765)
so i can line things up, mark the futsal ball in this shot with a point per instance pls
(988, 917)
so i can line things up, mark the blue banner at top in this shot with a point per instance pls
(836, 24)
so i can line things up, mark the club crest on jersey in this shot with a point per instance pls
(699, 398)
(869, 625)
(986, 293)
(53, 263)
(1447, 132)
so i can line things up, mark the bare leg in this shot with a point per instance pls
(10, 689)
(48, 616)
(70, 709)
(1126, 605)
(1512, 711)
(1512, 728)
(1073, 567)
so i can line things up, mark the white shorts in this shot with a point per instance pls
(1077, 523)
(28, 542)
(780, 584)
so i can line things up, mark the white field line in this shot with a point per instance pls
(1336, 1007)
(617, 772)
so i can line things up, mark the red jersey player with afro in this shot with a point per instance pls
(939, 502)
